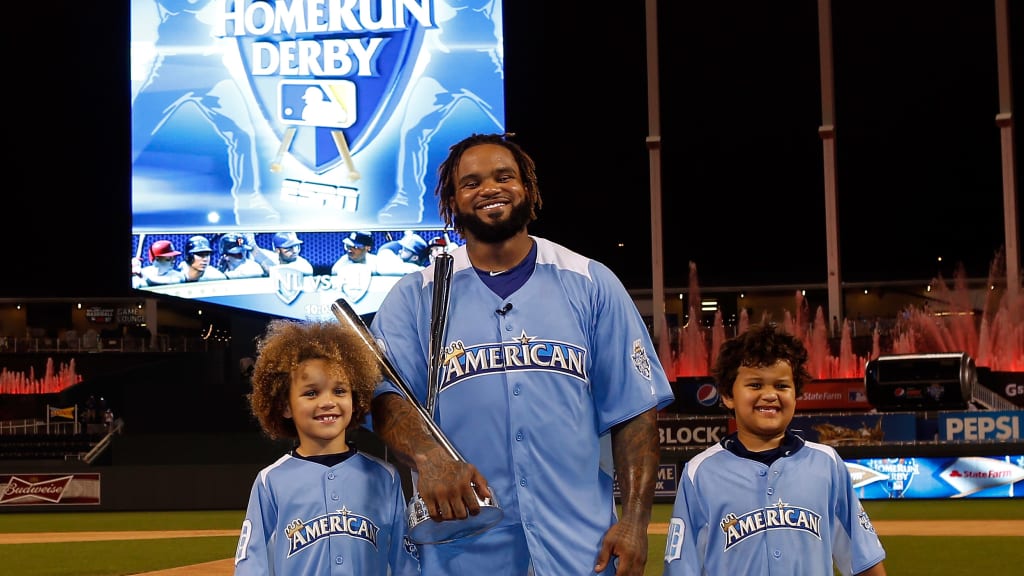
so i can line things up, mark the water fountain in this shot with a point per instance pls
(54, 379)
(993, 335)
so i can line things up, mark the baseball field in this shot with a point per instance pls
(921, 537)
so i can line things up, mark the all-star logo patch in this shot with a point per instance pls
(641, 361)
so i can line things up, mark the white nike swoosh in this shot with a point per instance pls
(493, 273)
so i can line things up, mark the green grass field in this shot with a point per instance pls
(907, 555)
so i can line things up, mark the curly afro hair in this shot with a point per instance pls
(288, 343)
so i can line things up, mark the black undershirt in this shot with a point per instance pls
(791, 443)
(329, 460)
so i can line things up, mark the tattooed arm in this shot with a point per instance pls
(444, 483)
(636, 451)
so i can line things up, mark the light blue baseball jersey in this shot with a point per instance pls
(530, 387)
(306, 518)
(734, 515)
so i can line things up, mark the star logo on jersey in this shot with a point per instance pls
(778, 516)
(302, 534)
(523, 353)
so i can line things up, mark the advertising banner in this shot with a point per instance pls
(1006, 385)
(49, 489)
(981, 426)
(844, 394)
(691, 431)
(853, 430)
(965, 477)
(695, 395)
(666, 486)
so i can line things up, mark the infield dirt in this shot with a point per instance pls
(226, 567)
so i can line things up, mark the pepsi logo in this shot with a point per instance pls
(707, 395)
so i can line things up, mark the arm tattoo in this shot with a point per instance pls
(636, 451)
(399, 424)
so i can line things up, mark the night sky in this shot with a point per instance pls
(918, 152)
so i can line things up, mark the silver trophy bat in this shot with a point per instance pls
(422, 528)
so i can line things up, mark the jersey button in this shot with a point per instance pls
(777, 553)
(771, 491)
(508, 327)
(334, 496)
(519, 436)
(330, 476)
(339, 560)
(522, 482)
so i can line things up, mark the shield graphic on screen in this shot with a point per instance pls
(354, 281)
(356, 78)
(289, 283)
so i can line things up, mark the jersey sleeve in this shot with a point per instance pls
(252, 555)
(855, 546)
(404, 558)
(628, 377)
(396, 328)
(683, 555)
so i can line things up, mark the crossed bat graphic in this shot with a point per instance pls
(339, 141)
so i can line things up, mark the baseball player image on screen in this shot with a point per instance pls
(325, 507)
(763, 500)
(548, 385)
(196, 266)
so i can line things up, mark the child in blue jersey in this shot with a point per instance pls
(324, 507)
(763, 500)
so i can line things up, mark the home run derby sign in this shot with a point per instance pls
(298, 115)
(327, 73)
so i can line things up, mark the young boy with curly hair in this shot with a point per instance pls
(324, 507)
(764, 500)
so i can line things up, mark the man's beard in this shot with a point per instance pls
(493, 232)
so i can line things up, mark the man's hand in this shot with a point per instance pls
(626, 544)
(446, 486)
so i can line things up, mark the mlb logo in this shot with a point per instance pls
(317, 103)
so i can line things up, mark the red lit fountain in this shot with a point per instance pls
(993, 336)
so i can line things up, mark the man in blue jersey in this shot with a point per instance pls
(549, 386)
(764, 501)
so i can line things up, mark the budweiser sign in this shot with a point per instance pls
(44, 489)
